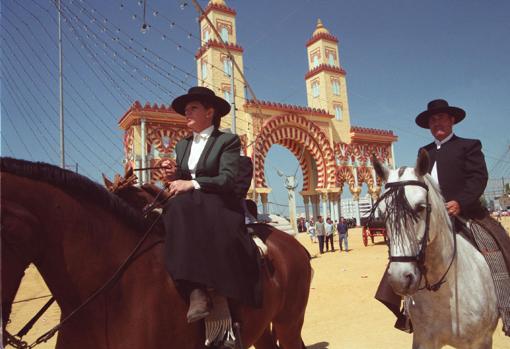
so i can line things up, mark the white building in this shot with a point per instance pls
(348, 207)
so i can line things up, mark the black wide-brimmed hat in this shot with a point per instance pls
(202, 94)
(439, 106)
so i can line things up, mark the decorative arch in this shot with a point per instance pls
(343, 152)
(156, 135)
(166, 168)
(295, 128)
(298, 151)
(344, 175)
(365, 176)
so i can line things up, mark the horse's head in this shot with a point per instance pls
(405, 206)
(137, 196)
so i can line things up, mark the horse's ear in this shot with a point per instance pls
(107, 183)
(128, 170)
(422, 163)
(381, 170)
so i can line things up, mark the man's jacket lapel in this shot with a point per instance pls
(207, 149)
(184, 157)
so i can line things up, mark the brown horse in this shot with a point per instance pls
(77, 234)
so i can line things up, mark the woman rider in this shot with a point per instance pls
(206, 246)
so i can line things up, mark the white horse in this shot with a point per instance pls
(447, 286)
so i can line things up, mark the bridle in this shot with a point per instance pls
(396, 190)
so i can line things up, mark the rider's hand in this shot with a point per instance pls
(180, 186)
(453, 208)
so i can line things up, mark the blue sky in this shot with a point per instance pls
(398, 55)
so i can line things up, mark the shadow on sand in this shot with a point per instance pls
(320, 345)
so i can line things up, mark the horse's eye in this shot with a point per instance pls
(419, 208)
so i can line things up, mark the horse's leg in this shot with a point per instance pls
(289, 334)
(424, 341)
(266, 341)
(484, 343)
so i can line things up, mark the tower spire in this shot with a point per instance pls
(319, 28)
(325, 80)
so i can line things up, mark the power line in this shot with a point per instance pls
(83, 80)
(107, 88)
(53, 93)
(19, 137)
(4, 140)
(29, 124)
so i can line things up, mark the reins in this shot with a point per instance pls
(16, 340)
(419, 259)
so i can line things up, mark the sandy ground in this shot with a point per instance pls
(341, 313)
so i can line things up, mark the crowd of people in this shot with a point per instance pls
(323, 231)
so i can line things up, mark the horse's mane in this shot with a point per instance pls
(439, 216)
(76, 185)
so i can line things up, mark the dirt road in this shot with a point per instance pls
(342, 312)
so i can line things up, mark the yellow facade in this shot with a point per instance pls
(213, 63)
(324, 72)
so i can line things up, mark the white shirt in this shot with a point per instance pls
(439, 144)
(197, 147)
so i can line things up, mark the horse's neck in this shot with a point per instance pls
(441, 250)
(81, 249)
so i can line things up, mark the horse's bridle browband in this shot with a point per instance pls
(419, 259)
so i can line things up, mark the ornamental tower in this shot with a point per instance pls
(326, 86)
(214, 68)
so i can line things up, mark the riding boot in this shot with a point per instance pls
(199, 305)
(403, 323)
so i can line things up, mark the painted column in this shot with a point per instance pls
(339, 207)
(336, 216)
(143, 151)
(324, 198)
(331, 203)
(315, 205)
(394, 162)
(306, 201)
(355, 194)
(263, 198)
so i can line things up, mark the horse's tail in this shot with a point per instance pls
(309, 258)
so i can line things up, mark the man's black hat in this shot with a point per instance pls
(201, 94)
(439, 106)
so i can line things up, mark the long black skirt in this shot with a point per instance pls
(206, 243)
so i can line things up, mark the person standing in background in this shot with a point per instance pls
(343, 234)
(329, 228)
(310, 227)
(320, 232)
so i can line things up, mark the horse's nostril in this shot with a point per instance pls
(410, 278)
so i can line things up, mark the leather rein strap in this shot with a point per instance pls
(16, 341)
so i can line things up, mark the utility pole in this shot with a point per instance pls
(61, 88)
(232, 96)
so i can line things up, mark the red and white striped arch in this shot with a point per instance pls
(128, 144)
(292, 128)
(156, 134)
(344, 175)
(165, 168)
